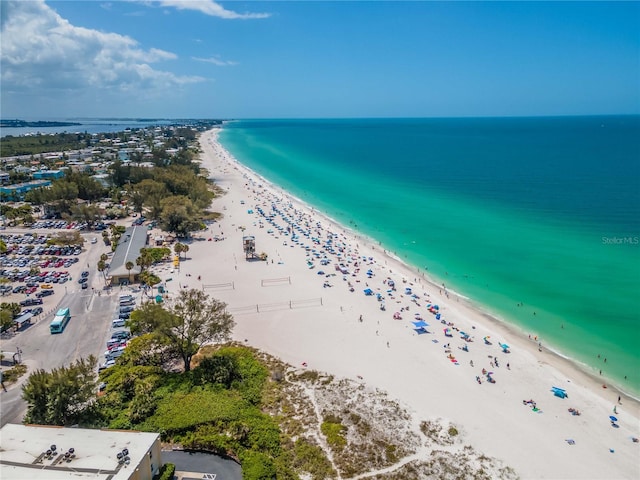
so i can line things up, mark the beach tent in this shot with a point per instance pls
(559, 392)
(368, 291)
(420, 327)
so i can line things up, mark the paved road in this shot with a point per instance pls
(85, 335)
(223, 468)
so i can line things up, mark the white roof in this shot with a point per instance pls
(95, 452)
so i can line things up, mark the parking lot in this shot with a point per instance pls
(36, 270)
(75, 283)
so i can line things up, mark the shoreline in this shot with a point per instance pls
(512, 329)
(330, 338)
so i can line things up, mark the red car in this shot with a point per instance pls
(31, 290)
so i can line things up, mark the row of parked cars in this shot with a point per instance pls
(22, 262)
(62, 224)
(120, 335)
(25, 238)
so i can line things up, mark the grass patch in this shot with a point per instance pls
(14, 373)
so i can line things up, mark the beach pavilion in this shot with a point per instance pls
(128, 250)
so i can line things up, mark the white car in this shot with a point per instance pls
(114, 352)
(109, 363)
(94, 240)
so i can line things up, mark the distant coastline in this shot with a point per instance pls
(38, 123)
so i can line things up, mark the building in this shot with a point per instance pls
(33, 452)
(17, 191)
(48, 174)
(128, 250)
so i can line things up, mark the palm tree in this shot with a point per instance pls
(181, 247)
(178, 248)
(129, 265)
(102, 267)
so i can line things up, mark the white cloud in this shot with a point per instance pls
(216, 61)
(43, 53)
(209, 7)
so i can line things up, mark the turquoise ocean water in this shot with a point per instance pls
(539, 211)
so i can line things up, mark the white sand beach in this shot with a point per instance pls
(326, 322)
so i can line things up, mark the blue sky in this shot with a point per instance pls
(177, 58)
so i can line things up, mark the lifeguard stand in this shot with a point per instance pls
(249, 246)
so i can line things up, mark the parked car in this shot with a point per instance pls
(31, 301)
(82, 280)
(84, 274)
(121, 334)
(85, 285)
(118, 322)
(107, 364)
(44, 293)
(127, 309)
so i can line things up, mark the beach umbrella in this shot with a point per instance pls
(612, 418)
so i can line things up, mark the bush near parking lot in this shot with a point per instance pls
(167, 471)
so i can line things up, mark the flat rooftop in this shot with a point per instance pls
(23, 452)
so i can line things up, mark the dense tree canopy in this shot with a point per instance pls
(180, 216)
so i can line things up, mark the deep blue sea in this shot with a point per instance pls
(542, 212)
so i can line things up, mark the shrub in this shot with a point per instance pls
(14, 373)
(167, 471)
(334, 434)
(257, 466)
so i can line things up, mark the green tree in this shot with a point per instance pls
(154, 192)
(102, 268)
(148, 318)
(180, 216)
(85, 213)
(6, 320)
(13, 308)
(129, 266)
(194, 319)
(146, 350)
(62, 396)
(66, 238)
